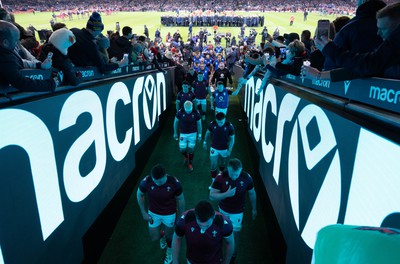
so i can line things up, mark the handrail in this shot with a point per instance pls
(10, 95)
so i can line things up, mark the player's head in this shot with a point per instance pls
(200, 76)
(220, 118)
(221, 65)
(158, 174)
(205, 214)
(234, 168)
(188, 105)
(185, 87)
(220, 86)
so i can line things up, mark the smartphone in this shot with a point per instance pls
(283, 53)
(49, 55)
(323, 28)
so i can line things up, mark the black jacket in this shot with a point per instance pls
(360, 33)
(384, 59)
(222, 75)
(119, 46)
(85, 52)
(293, 68)
(61, 62)
(10, 66)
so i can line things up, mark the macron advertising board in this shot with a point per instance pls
(63, 158)
(319, 168)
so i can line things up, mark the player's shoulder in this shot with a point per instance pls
(172, 179)
(146, 180)
(189, 216)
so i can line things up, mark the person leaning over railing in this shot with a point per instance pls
(59, 42)
(11, 63)
(383, 62)
(85, 51)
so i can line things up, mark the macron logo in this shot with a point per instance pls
(384, 94)
(346, 86)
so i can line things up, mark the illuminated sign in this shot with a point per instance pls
(319, 168)
(72, 152)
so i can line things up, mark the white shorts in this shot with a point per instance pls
(221, 110)
(187, 140)
(201, 101)
(236, 219)
(215, 152)
(167, 220)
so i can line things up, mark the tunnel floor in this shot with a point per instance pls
(130, 242)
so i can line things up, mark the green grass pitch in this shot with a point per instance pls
(137, 20)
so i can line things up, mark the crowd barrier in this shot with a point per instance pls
(65, 155)
(85, 73)
(328, 153)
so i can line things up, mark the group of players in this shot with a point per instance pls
(211, 237)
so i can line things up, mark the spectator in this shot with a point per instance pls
(59, 42)
(85, 51)
(121, 45)
(290, 65)
(307, 41)
(208, 234)
(353, 36)
(11, 63)
(103, 43)
(384, 61)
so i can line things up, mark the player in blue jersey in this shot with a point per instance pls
(230, 188)
(220, 97)
(190, 128)
(222, 134)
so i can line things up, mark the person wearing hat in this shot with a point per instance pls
(85, 51)
(222, 134)
(58, 44)
(201, 90)
(11, 63)
(290, 37)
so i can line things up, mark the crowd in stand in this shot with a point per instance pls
(336, 7)
(277, 54)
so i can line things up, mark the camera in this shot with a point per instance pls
(283, 53)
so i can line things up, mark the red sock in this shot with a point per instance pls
(191, 155)
(169, 242)
(214, 173)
